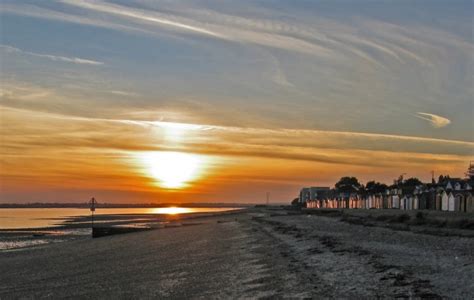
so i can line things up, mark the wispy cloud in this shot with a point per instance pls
(221, 26)
(124, 93)
(138, 15)
(74, 60)
(322, 37)
(435, 120)
(51, 14)
(297, 139)
(18, 91)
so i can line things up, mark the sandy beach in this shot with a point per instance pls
(256, 253)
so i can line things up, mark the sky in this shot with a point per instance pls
(224, 101)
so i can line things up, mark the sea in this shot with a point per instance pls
(28, 227)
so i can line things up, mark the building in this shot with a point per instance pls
(313, 193)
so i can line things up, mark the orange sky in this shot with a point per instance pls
(53, 157)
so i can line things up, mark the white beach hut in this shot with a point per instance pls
(451, 201)
(416, 203)
(395, 201)
(444, 201)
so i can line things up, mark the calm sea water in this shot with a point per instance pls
(14, 218)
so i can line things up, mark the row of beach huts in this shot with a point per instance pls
(448, 195)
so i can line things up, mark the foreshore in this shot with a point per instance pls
(254, 253)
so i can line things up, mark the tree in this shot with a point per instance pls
(411, 182)
(440, 178)
(470, 171)
(375, 187)
(348, 184)
(409, 185)
(371, 185)
(295, 202)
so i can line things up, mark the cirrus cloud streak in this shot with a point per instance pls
(435, 120)
(74, 60)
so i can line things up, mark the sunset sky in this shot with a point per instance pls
(223, 101)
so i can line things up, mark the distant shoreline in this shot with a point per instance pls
(120, 205)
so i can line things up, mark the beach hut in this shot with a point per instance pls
(439, 199)
(395, 202)
(381, 201)
(451, 202)
(431, 200)
(422, 201)
(459, 202)
(416, 202)
(385, 202)
(469, 203)
(403, 202)
(444, 201)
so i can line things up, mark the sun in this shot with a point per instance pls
(172, 169)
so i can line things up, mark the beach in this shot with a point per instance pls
(253, 253)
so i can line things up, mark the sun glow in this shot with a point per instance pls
(176, 132)
(172, 169)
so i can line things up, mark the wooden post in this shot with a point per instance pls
(92, 204)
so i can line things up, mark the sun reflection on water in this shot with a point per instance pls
(172, 210)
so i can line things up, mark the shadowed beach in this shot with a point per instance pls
(255, 253)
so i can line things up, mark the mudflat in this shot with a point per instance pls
(256, 253)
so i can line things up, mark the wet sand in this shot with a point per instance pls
(257, 253)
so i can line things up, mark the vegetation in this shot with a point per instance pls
(348, 184)
(411, 182)
(373, 187)
(297, 204)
